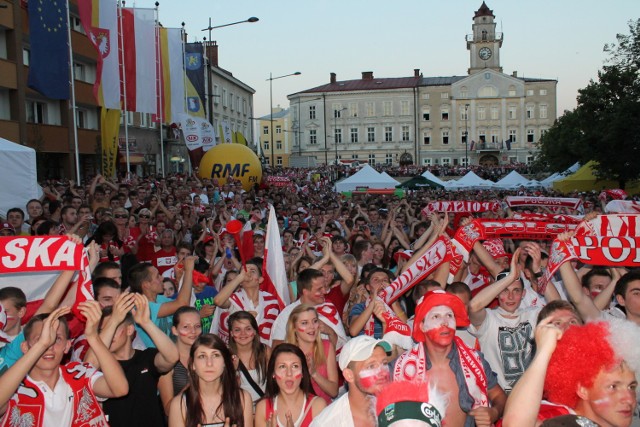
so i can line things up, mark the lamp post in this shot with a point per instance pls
(335, 129)
(270, 80)
(209, 82)
(466, 135)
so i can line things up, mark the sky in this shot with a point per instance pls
(554, 39)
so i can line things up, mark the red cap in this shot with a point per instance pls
(433, 299)
(7, 226)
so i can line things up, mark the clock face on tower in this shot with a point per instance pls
(484, 53)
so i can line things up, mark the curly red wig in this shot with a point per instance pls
(582, 352)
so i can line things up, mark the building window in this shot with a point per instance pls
(371, 110)
(337, 111)
(405, 133)
(337, 135)
(244, 106)
(425, 96)
(543, 111)
(81, 118)
(278, 145)
(495, 113)
(464, 92)
(76, 24)
(313, 137)
(463, 137)
(231, 101)
(464, 113)
(529, 160)
(512, 91)
(278, 129)
(543, 92)
(482, 136)
(446, 161)
(224, 98)
(371, 134)
(354, 134)
(482, 114)
(530, 92)
(543, 131)
(279, 160)
(513, 112)
(372, 159)
(444, 111)
(530, 112)
(143, 120)
(427, 161)
(312, 112)
(388, 134)
(388, 158)
(36, 112)
(444, 95)
(531, 135)
(387, 108)
(426, 137)
(216, 94)
(404, 108)
(488, 92)
(26, 56)
(464, 161)
(426, 114)
(354, 157)
(79, 71)
(266, 145)
(513, 135)
(494, 135)
(353, 109)
(445, 137)
(265, 130)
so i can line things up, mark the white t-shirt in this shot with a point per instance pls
(507, 343)
(338, 414)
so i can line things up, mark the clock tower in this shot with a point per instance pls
(485, 43)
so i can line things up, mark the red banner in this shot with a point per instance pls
(35, 254)
(460, 206)
(560, 202)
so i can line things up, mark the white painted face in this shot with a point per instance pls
(438, 316)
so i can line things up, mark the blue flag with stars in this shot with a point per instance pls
(49, 54)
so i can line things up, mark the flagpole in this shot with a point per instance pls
(73, 95)
(160, 87)
(124, 90)
(184, 68)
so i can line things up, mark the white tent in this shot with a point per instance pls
(18, 175)
(390, 179)
(548, 181)
(470, 180)
(513, 180)
(366, 177)
(433, 178)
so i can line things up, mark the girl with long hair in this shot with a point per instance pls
(303, 330)
(249, 354)
(213, 396)
(186, 328)
(289, 400)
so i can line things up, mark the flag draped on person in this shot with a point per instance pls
(171, 72)
(140, 83)
(273, 271)
(100, 21)
(49, 50)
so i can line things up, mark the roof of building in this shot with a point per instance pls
(484, 11)
(373, 83)
(276, 115)
(441, 81)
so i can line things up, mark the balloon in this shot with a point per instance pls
(235, 161)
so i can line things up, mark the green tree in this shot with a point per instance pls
(605, 126)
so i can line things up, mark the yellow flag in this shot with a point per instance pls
(110, 128)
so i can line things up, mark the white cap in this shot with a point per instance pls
(360, 348)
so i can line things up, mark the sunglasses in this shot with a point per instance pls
(145, 216)
(120, 216)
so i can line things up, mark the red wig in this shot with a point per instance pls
(581, 353)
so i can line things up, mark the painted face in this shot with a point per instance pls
(372, 374)
(316, 295)
(288, 372)
(13, 317)
(208, 364)
(307, 326)
(612, 398)
(598, 284)
(440, 325)
(242, 332)
(509, 299)
(189, 328)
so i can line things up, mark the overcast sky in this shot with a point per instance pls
(555, 39)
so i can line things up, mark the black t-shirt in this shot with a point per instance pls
(141, 406)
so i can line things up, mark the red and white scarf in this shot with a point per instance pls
(622, 206)
(329, 315)
(460, 206)
(37, 254)
(558, 202)
(412, 366)
(395, 330)
(27, 406)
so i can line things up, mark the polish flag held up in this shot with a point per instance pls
(273, 270)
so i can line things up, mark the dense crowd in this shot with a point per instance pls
(374, 325)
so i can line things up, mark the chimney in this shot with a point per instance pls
(211, 50)
(367, 75)
(416, 72)
(514, 74)
(333, 78)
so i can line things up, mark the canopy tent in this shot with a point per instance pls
(585, 180)
(548, 181)
(470, 180)
(368, 178)
(511, 181)
(18, 175)
(389, 178)
(419, 182)
(433, 178)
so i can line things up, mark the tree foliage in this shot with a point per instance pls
(605, 126)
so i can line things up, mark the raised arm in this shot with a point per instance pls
(167, 355)
(222, 299)
(184, 294)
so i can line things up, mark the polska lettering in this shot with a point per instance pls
(30, 254)
(461, 206)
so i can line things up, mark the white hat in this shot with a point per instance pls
(360, 348)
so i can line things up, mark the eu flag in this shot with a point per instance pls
(49, 58)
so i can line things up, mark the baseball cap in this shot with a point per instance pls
(360, 348)
(436, 298)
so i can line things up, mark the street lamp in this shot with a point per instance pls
(466, 135)
(270, 80)
(336, 113)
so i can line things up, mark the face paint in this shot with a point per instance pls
(371, 377)
(438, 316)
(442, 335)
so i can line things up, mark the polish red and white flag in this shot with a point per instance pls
(273, 269)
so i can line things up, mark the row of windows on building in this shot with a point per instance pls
(230, 100)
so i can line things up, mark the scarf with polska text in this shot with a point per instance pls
(557, 202)
(607, 240)
(412, 366)
(460, 206)
(395, 330)
(36, 254)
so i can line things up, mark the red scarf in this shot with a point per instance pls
(412, 366)
(395, 330)
(622, 206)
(460, 206)
(27, 406)
(559, 202)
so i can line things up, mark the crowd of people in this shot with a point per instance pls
(186, 327)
